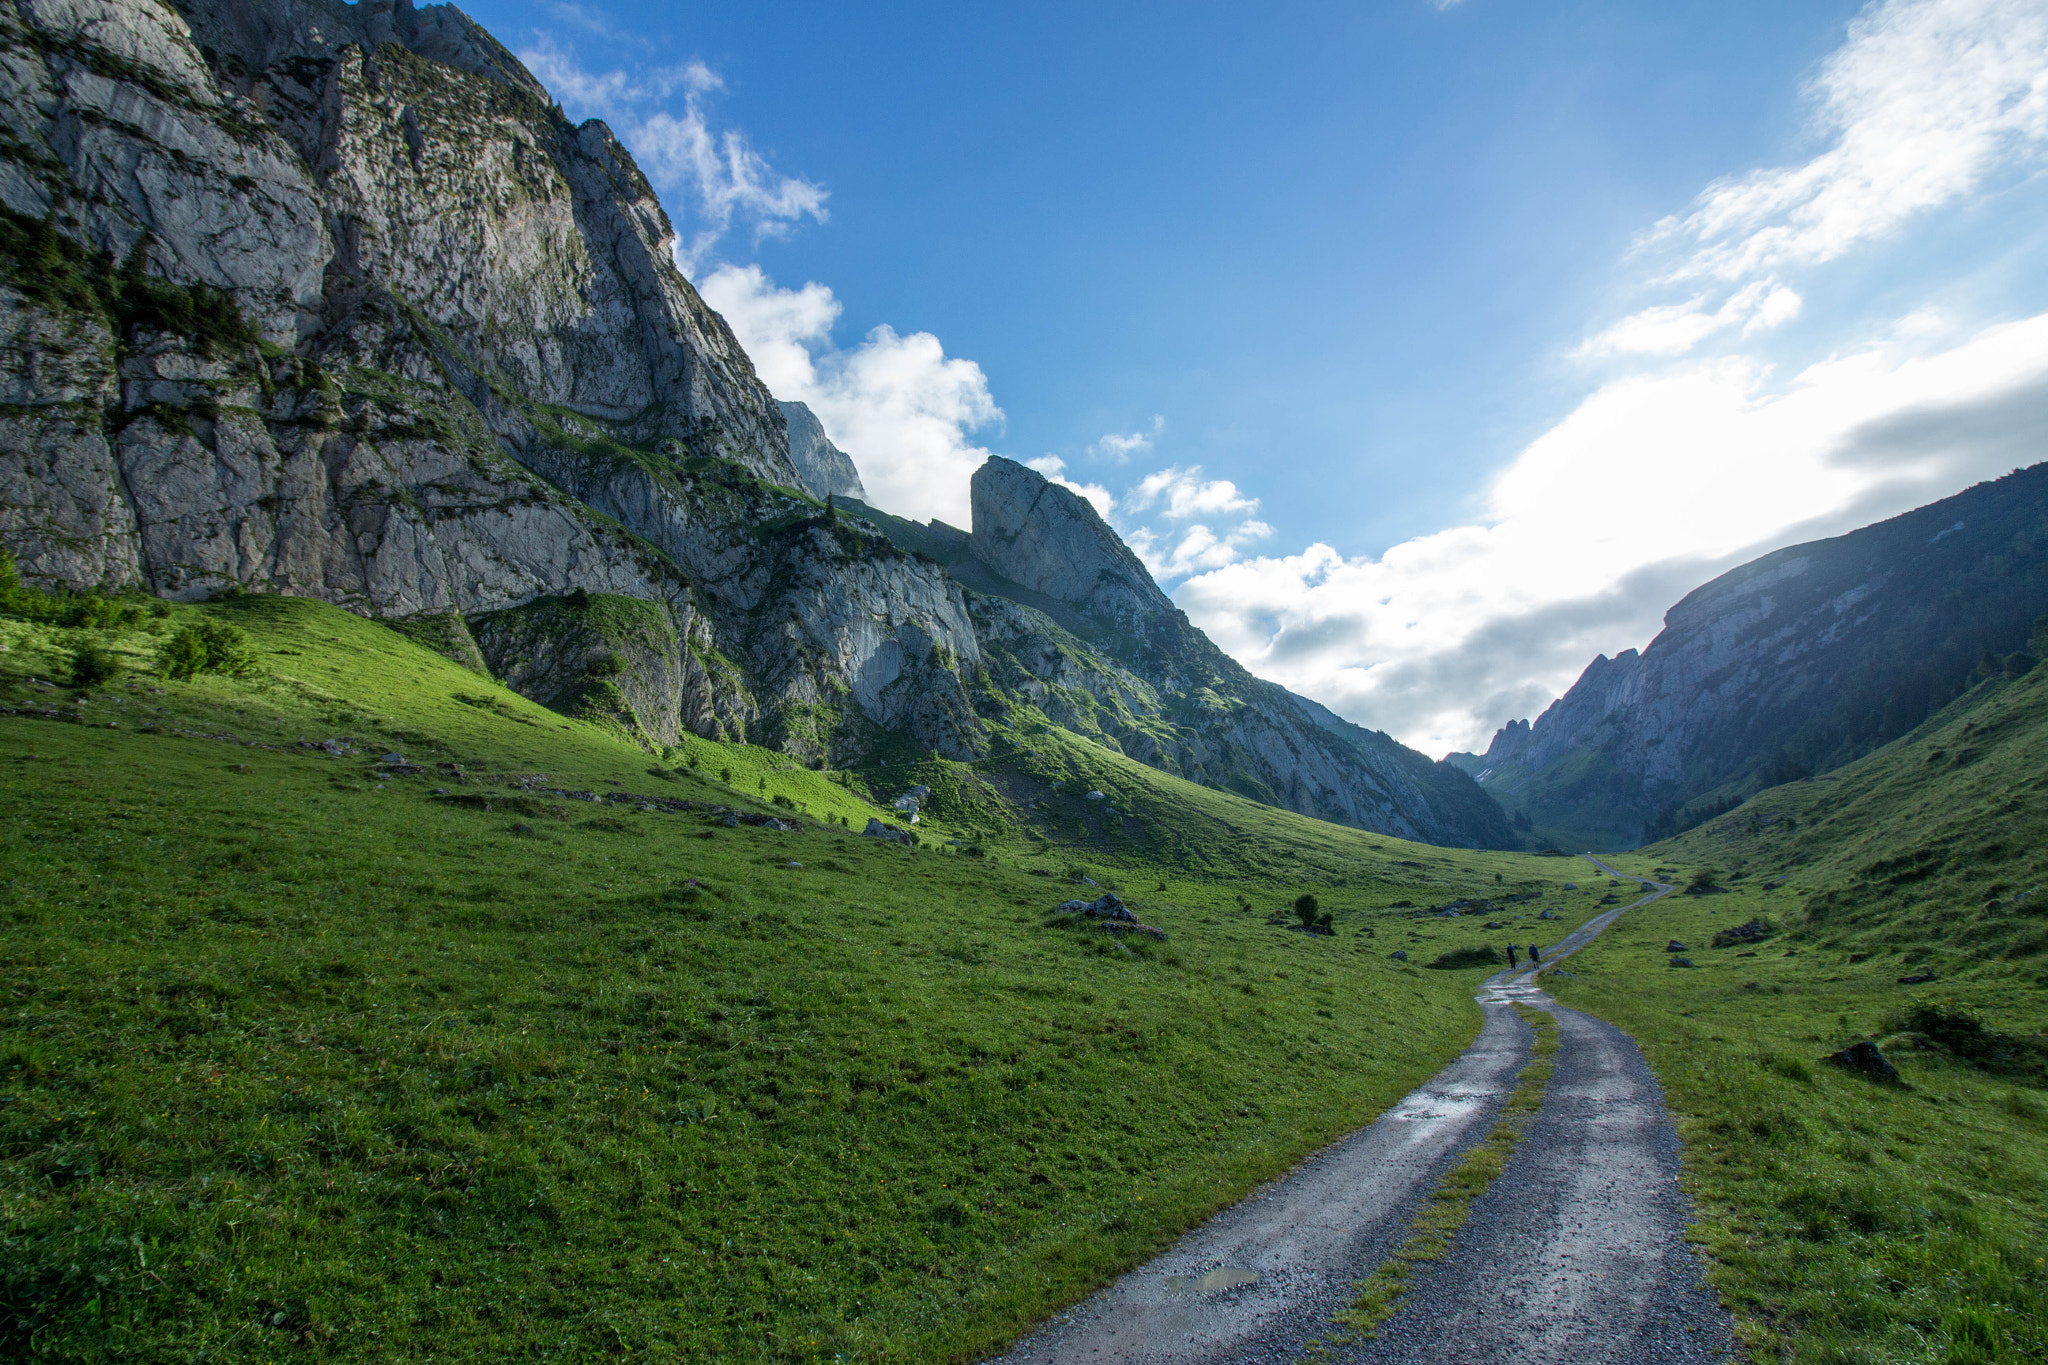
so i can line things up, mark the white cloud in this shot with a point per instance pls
(1925, 101)
(1055, 471)
(1652, 485)
(1183, 493)
(899, 405)
(1198, 550)
(711, 181)
(1120, 447)
(1675, 328)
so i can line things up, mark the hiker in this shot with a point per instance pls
(1512, 964)
(1534, 956)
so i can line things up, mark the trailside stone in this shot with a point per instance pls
(1865, 1060)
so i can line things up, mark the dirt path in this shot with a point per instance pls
(1575, 1255)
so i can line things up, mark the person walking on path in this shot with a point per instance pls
(1534, 956)
(1512, 963)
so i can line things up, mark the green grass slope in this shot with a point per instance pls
(1851, 1221)
(299, 1056)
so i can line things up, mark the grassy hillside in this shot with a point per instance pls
(1850, 1220)
(300, 1054)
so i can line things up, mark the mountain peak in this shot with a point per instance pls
(1034, 532)
(824, 467)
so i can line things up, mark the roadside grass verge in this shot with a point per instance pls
(1845, 1220)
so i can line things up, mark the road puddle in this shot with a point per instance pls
(1215, 1282)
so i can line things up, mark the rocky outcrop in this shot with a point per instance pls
(1049, 539)
(826, 470)
(1792, 664)
(331, 300)
(1102, 651)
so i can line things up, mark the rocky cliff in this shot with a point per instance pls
(307, 297)
(330, 299)
(825, 469)
(1792, 664)
(1073, 627)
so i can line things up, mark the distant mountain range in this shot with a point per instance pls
(1792, 664)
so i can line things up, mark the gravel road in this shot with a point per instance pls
(1575, 1255)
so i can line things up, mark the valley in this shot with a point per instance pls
(506, 853)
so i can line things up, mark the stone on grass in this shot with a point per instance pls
(1399, 955)
(1918, 979)
(1674, 946)
(1865, 1060)
(1681, 962)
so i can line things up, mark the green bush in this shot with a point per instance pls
(1481, 955)
(92, 666)
(1306, 906)
(1704, 878)
(209, 647)
(184, 654)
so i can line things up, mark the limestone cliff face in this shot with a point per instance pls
(331, 300)
(1102, 650)
(1794, 663)
(826, 470)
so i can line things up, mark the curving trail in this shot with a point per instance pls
(1576, 1255)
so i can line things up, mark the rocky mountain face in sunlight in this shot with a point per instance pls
(1788, 666)
(332, 300)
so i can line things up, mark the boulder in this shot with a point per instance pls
(1865, 1060)
(1753, 932)
(877, 830)
(1918, 979)
(1681, 962)
(1399, 955)
(1674, 946)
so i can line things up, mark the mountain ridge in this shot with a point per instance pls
(1794, 663)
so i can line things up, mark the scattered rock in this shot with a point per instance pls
(1096, 796)
(1399, 955)
(393, 760)
(1549, 915)
(1495, 924)
(1571, 886)
(1753, 932)
(522, 829)
(1111, 912)
(733, 822)
(1918, 979)
(438, 791)
(1865, 1060)
(1447, 913)
(877, 830)
(1681, 962)
(1674, 946)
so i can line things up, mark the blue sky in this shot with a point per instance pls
(1359, 319)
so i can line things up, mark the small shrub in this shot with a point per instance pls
(604, 666)
(1704, 878)
(1480, 955)
(183, 655)
(92, 666)
(209, 647)
(1305, 907)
